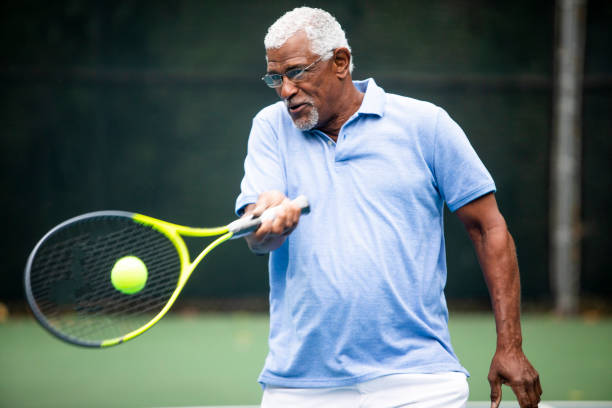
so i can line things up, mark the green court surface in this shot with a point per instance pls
(485, 404)
(214, 359)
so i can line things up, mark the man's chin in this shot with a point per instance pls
(306, 122)
(304, 125)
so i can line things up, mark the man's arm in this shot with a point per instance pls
(497, 256)
(272, 233)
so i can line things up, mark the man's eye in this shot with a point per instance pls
(294, 73)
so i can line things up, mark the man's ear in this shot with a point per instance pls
(342, 62)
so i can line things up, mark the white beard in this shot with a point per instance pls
(308, 122)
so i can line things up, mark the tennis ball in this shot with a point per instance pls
(129, 275)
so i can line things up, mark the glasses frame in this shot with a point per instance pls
(293, 75)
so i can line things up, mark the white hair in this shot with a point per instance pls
(321, 28)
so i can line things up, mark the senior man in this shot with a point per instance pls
(358, 316)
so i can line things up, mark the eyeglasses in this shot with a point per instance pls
(294, 75)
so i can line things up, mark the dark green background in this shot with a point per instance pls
(146, 106)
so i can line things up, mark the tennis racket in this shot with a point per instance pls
(68, 280)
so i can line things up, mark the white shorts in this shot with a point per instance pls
(442, 390)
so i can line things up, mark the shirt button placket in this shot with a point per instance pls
(332, 151)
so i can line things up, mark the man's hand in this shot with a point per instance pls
(511, 367)
(272, 232)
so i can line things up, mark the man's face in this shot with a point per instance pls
(307, 99)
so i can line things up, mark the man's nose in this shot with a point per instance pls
(287, 89)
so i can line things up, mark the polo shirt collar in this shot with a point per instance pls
(374, 99)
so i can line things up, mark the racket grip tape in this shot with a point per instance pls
(246, 225)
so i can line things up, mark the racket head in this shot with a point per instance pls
(68, 283)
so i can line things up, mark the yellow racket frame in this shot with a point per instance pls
(174, 233)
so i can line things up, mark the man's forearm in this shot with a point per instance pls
(497, 256)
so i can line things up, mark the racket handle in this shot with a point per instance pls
(246, 225)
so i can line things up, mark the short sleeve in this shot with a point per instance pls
(263, 170)
(460, 175)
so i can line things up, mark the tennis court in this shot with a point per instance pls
(483, 404)
(214, 359)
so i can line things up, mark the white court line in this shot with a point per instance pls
(475, 404)
(546, 404)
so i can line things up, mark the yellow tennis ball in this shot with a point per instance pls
(129, 275)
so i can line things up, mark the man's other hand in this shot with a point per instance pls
(512, 368)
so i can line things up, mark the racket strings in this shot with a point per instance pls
(70, 277)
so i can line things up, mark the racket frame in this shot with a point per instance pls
(173, 232)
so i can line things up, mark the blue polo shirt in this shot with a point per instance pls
(357, 290)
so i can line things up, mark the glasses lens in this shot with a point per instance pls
(295, 74)
(273, 80)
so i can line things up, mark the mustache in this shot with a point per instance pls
(289, 102)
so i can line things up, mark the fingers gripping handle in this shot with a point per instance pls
(246, 225)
